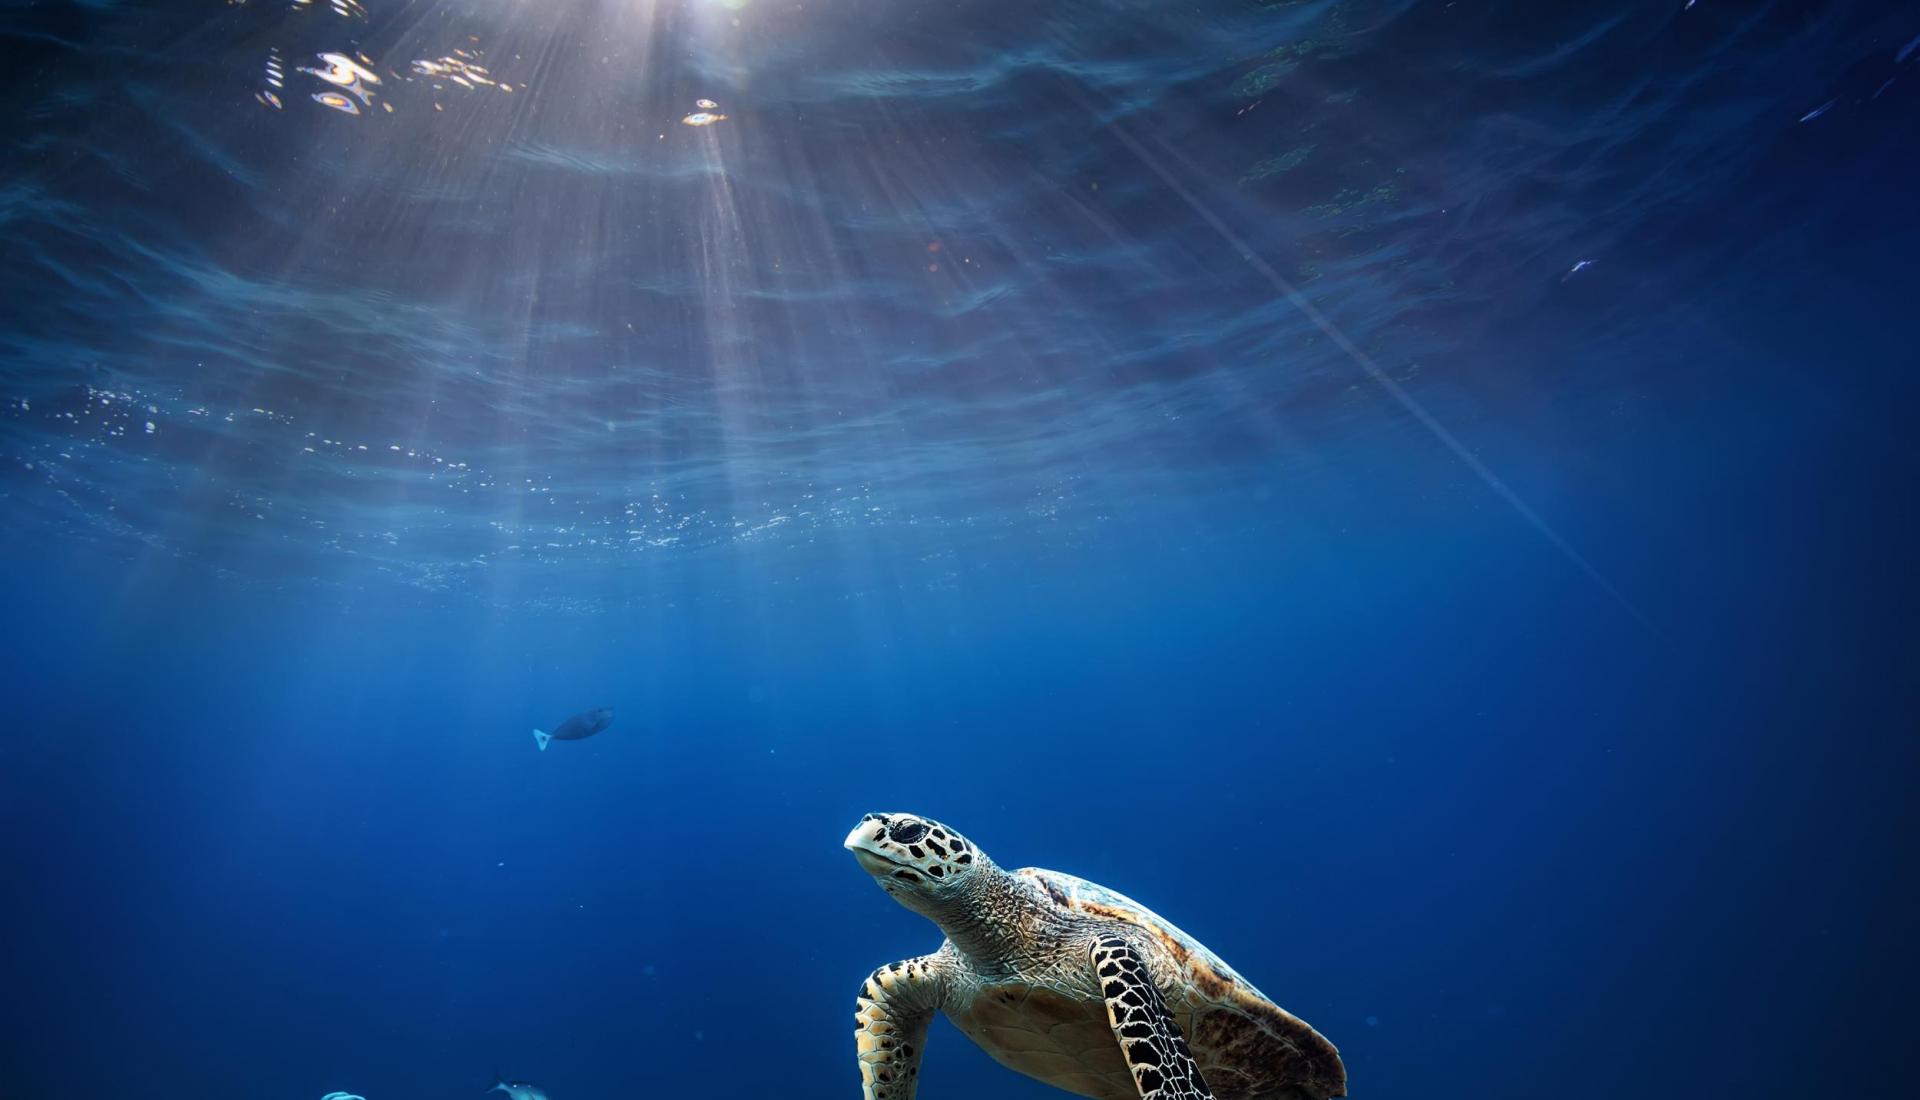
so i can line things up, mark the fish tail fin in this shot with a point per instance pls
(541, 737)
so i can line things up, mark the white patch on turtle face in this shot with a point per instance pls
(912, 858)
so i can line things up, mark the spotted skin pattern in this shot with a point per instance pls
(1068, 983)
(890, 1016)
(1150, 1040)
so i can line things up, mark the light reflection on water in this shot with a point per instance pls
(354, 82)
(345, 73)
(921, 287)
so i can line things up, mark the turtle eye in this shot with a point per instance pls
(907, 832)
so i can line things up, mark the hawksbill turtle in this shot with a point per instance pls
(1069, 983)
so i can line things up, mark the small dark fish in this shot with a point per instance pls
(582, 725)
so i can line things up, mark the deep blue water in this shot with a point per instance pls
(1421, 494)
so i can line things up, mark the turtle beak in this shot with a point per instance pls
(863, 842)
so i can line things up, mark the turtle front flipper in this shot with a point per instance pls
(895, 1005)
(1150, 1040)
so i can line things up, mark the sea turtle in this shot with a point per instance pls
(1067, 982)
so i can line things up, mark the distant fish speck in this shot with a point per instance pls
(1818, 111)
(1906, 51)
(1576, 269)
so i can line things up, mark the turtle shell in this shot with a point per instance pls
(1247, 1047)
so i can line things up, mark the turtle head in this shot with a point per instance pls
(916, 859)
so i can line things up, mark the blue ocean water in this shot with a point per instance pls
(1421, 494)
